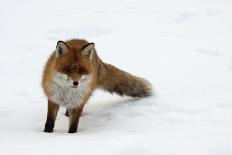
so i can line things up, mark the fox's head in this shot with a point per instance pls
(73, 63)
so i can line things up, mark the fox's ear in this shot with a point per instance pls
(87, 50)
(61, 48)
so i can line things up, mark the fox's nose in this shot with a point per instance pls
(75, 83)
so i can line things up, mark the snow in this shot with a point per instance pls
(183, 47)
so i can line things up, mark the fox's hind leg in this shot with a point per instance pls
(74, 116)
(51, 116)
(66, 113)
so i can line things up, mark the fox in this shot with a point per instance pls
(72, 73)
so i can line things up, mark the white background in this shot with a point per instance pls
(183, 47)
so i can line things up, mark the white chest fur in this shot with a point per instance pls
(64, 95)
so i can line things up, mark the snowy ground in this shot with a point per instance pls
(183, 47)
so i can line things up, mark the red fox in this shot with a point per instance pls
(74, 71)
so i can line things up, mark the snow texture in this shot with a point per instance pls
(182, 46)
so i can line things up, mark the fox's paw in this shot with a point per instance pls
(72, 130)
(48, 130)
(49, 127)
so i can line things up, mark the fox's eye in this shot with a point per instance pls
(82, 70)
(67, 69)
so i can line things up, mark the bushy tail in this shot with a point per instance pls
(117, 81)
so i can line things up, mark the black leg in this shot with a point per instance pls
(66, 113)
(74, 116)
(51, 116)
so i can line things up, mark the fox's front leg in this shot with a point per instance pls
(51, 116)
(74, 116)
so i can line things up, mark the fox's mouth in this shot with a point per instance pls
(73, 86)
